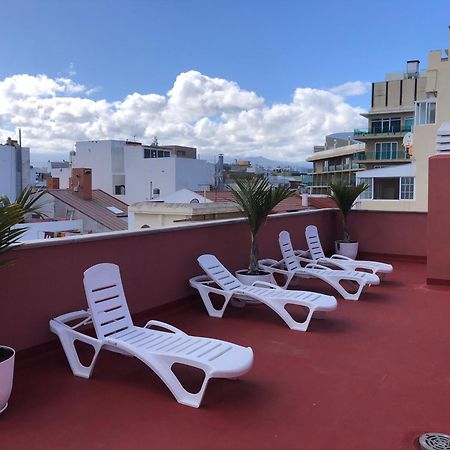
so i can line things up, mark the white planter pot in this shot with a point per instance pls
(242, 276)
(349, 249)
(6, 375)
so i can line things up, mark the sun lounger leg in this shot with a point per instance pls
(164, 370)
(344, 292)
(68, 338)
(280, 309)
(213, 312)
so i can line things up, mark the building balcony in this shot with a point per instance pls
(376, 364)
(399, 156)
(377, 134)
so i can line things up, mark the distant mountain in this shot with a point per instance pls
(266, 162)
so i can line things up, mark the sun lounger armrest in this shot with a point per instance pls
(313, 265)
(58, 325)
(270, 264)
(76, 315)
(265, 284)
(302, 253)
(344, 258)
(166, 326)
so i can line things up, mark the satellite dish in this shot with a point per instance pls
(408, 140)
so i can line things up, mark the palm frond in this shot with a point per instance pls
(345, 196)
(12, 214)
(256, 198)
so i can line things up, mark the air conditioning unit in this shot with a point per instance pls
(443, 138)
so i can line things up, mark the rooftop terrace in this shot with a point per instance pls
(374, 374)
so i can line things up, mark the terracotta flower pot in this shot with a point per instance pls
(7, 356)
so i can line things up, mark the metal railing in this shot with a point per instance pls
(387, 155)
(392, 132)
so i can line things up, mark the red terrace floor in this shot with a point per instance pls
(374, 375)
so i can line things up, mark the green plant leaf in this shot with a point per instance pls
(256, 198)
(345, 196)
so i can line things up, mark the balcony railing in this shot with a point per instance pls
(399, 155)
(377, 133)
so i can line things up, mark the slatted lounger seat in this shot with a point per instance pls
(343, 262)
(159, 350)
(270, 295)
(290, 267)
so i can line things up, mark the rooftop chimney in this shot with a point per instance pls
(412, 68)
(52, 183)
(81, 183)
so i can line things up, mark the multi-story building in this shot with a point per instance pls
(397, 150)
(134, 172)
(406, 110)
(338, 159)
(15, 172)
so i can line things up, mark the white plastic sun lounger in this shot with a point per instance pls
(290, 267)
(159, 350)
(269, 294)
(343, 262)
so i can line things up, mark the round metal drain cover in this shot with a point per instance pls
(434, 441)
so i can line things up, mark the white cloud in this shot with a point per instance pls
(212, 114)
(351, 88)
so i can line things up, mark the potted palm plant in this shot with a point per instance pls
(256, 198)
(345, 196)
(12, 214)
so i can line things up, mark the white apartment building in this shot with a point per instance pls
(14, 169)
(133, 172)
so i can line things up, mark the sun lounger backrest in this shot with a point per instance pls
(106, 300)
(290, 260)
(313, 240)
(217, 272)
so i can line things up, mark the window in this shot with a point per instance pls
(181, 153)
(386, 150)
(386, 125)
(426, 112)
(368, 193)
(407, 188)
(163, 154)
(119, 189)
(155, 153)
(409, 123)
(325, 165)
(386, 188)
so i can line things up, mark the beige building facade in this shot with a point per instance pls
(431, 109)
(407, 108)
(160, 215)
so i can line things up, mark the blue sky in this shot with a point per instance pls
(270, 48)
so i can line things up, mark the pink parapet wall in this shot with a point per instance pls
(390, 233)
(438, 236)
(46, 279)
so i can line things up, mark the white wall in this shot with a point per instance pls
(113, 159)
(63, 174)
(36, 230)
(193, 174)
(166, 174)
(96, 155)
(9, 170)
